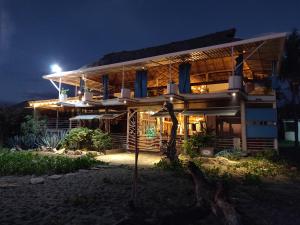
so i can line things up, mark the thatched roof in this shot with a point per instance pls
(198, 42)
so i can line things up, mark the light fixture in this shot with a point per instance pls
(79, 92)
(124, 101)
(171, 99)
(233, 94)
(55, 68)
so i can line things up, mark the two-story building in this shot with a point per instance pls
(215, 82)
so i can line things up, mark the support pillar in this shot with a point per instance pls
(185, 122)
(243, 125)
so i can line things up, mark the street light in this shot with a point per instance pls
(56, 68)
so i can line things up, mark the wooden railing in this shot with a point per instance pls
(118, 140)
(259, 144)
(53, 123)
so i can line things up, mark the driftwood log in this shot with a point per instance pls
(213, 196)
(171, 152)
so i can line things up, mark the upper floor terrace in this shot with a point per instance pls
(214, 66)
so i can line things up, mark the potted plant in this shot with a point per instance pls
(203, 143)
(87, 95)
(63, 96)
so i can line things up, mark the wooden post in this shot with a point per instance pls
(243, 125)
(135, 175)
(275, 139)
(185, 123)
(57, 115)
(161, 127)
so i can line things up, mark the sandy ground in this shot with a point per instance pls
(101, 196)
(127, 158)
(89, 196)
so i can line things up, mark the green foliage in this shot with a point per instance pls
(165, 164)
(233, 154)
(101, 140)
(33, 126)
(23, 163)
(196, 142)
(269, 154)
(29, 141)
(64, 91)
(202, 140)
(30, 133)
(84, 138)
(78, 138)
(189, 150)
(52, 140)
(252, 179)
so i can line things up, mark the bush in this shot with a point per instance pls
(101, 140)
(165, 164)
(233, 154)
(78, 138)
(84, 138)
(189, 150)
(27, 163)
(202, 140)
(33, 126)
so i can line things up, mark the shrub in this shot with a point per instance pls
(78, 138)
(27, 163)
(33, 126)
(101, 140)
(189, 150)
(165, 164)
(233, 154)
(202, 140)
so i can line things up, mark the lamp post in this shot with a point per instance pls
(57, 69)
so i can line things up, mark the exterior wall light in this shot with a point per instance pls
(233, 94)
(124, 101)
(171, 99)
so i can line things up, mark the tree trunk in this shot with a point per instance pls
(171, 146)
(295, 92)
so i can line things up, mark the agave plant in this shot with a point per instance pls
(24, 142)
(52, 140)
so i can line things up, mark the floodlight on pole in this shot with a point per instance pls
(56, 68)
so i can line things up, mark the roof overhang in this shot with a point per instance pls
(271, 50)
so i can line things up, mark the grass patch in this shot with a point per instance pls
(249, 170)
(29, 162)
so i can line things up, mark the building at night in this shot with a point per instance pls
(216, 82)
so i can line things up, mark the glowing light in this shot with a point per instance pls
(171, 99)
(79, 92)
(55, 68)
(233, 94)
(124, 101)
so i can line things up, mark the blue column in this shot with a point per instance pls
(140, 85)
(105, 83)
(81, 85)
(184, 78)
(238, 71)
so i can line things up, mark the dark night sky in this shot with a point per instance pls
(37, 33)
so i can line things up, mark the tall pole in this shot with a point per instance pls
(135, 175)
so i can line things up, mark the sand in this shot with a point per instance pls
(100, 196)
